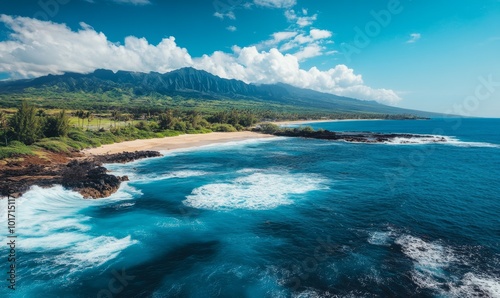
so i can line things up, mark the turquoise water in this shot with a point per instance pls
(280, 217)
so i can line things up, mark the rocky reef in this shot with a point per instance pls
(87, 176)
(361, 137)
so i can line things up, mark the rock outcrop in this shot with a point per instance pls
(86, 176)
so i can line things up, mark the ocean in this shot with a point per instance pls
(279, 217)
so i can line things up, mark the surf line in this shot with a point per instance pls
(11, 242)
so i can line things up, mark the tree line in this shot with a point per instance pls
(28, 125)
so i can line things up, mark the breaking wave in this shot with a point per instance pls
(432, 262)
(257, 191)
(438, 139)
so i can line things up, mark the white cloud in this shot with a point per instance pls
(231, 28)
(301, 21)
(229, 15)
(276, 3)
(320, 34)
(290, 15)
(414, 37)
(276, 38)
(306, 45)
(306, 21)
(315, 36)
(37, 48)
(268, 67)
(312, 50)
(280, 36)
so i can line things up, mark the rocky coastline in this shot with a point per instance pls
(359, 137)
(86, 175)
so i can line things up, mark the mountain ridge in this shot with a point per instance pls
(194, 83)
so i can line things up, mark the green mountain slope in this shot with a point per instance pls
(187, 86)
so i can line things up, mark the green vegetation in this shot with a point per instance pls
(15, 148)
(30, 129)
(118, 104)
(25, 125)
(273, 129)
(36, 125)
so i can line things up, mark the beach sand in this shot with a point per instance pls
(178, 142)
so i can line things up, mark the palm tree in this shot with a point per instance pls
(80, 115)
(115, 115)
(90, 116)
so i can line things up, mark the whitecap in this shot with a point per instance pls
(431, 260)
(182, 174)
(458, 143)
(49, 221)
(311, 294)
(427, 256)
(438, 139)
(257, 191)
(93, 252)
(379, 238)
(473, 285)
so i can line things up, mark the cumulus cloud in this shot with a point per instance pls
(320, 34)
(37, 48)
(414, 37)
(231, 28)
(268, 67)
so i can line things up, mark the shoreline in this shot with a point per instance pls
(177, 142)
(299, 122)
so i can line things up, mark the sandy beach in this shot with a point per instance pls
(178, 142)
(192, 140)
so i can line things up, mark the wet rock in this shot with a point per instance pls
(88, 176)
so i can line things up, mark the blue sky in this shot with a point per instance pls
(439, 56)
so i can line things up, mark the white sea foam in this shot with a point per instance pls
(258, 191)
(430, 139)
(49, 220)
(425, 254)
(182, 174)
(179, 174)
(430, 260)
(471, 283)
(439, 139)
(311, 294)
(380, 238)
(93, 252)
(456, 142)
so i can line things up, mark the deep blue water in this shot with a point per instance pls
(280, 217)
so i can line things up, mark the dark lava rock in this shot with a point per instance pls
(126, 156)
